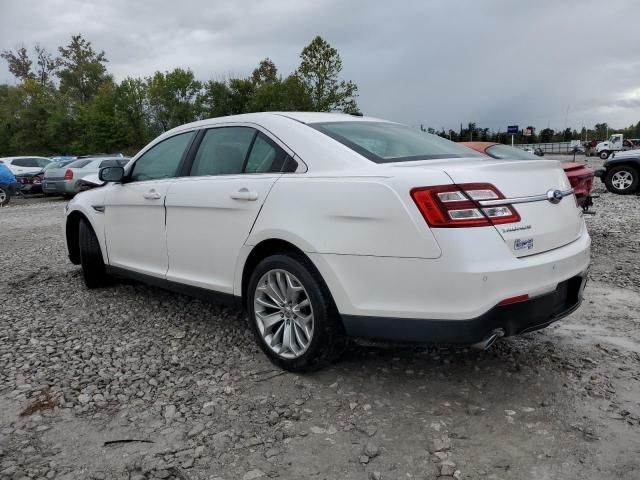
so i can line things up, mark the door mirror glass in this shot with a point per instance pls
(111, 174)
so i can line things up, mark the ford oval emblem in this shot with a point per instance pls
(554, 196)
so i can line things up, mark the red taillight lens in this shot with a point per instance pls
(448, 206)
(68, 175)
(510, 300)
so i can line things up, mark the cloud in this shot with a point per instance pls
(437, 63)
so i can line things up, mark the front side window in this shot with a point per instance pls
(162, 160)
(383, 142)
(507, 152)
(223, 151)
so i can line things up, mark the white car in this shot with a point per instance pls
(327, 226)
(19, 165)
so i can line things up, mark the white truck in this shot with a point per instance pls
(616, 143)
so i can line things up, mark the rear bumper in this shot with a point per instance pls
(60, 187)
(513, 319)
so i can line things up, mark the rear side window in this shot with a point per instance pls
(26, 162)
(223, 151)
(265, 156)
(162, 160)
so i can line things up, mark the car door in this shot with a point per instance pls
(134, 210)
(210, 213)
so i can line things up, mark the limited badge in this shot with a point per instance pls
(520, 244)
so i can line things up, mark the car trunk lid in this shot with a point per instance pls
(546, 221)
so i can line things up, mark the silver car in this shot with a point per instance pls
(64, 180)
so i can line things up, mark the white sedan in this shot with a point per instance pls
(20, 165)
(328, 226)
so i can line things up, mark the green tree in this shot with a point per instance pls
(265, 72)
(172, 98)
(214, 100)
(19, 63)
(546, 135)
(319, 72)
(132, 109)
(47, 65)
(82, 70)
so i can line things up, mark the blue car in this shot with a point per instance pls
(7, 184)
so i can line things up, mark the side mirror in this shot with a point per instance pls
(111, 174)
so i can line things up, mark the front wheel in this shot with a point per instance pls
(622, 180)
(604, 154)
(5, 196)
(292, 314)
(93, 268)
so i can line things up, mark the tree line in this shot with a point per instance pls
(472, 132)
(68, 103)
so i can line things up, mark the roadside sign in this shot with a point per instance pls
(527, 132)
(513, 129)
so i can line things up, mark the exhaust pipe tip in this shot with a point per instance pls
(489, 340)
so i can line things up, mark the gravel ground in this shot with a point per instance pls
(131, 382)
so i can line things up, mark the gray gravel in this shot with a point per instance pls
(131, 382)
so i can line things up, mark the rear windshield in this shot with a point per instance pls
(507, 152)
(383, 142)
(57, 164)
(79, 163)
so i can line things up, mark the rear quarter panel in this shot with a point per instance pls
(356, 215)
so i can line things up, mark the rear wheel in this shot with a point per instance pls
(622, 180)
(5, 196)
(292, 314)
(604, 154)
(93, 268)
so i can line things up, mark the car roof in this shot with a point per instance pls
(23, 156)
(260, 117)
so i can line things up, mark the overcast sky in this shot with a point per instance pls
(432, 62)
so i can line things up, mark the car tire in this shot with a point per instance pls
(93, 268)
(622, 179)
(327, 339)
(5, 196)
(604, 154)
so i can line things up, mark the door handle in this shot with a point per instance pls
(244, 194)
(152, 194)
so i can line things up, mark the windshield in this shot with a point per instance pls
(383, 142)
(509, 153)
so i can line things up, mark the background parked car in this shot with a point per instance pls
(32, 182)
(621, 172)
(580, 177)
(7, 184)
(19, 165)
(64, 180)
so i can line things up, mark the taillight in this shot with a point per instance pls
(448, 206)
(68, 175)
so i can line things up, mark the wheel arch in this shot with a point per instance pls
(72, 232)
(272, 246)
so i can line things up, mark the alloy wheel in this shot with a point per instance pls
(622, 180)
(283, 313)
(3, 196)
